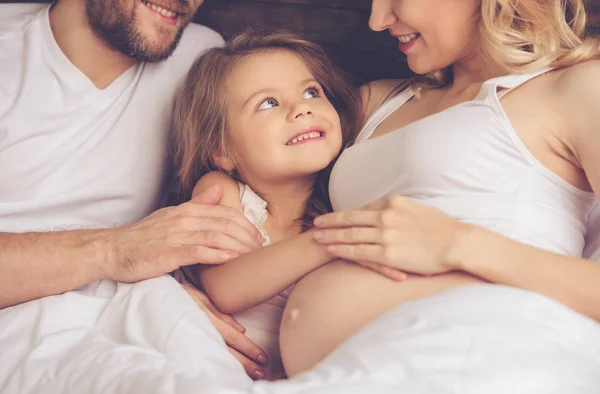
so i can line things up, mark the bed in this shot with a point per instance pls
(151, 338)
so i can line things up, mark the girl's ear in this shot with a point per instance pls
(225, 163)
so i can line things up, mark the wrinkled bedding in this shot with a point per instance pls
(151, 338)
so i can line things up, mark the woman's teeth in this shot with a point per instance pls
(408, 37)
(312, 134)
(159, 9)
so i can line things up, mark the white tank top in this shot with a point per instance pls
(469, 162)
(262, 321)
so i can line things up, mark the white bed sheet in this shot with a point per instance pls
(151, 338)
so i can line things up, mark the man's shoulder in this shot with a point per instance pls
(14, 16)
(196, 39)
(201, 35)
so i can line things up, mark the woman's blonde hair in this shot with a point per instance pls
(528, 35)
(199, 123)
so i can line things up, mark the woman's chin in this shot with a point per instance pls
(421, 66)
(419, 69)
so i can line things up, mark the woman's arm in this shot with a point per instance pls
(256, 276)
(423, 240)
(572, 281)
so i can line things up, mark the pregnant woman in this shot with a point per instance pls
(477, 178)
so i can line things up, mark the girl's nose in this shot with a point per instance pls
(300, 110)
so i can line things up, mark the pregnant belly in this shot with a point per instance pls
(333, 302)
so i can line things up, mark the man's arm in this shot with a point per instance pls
(34, 265)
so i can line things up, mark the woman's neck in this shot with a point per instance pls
(474, 71)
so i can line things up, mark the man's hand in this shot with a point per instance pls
(247, 352)
(196, 232)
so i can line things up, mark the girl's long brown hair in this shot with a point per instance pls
(199, 125)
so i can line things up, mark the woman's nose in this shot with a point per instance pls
(382, 15)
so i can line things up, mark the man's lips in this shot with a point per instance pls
(166, 10)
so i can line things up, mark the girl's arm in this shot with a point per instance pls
(423, 240)
(256, 276)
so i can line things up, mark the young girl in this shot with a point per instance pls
(264, 118)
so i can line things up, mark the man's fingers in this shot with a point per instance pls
(218, 240)
(210, 196)
(190, 255)
(225, 219)
(252, 369)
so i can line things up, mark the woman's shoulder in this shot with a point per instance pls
(582, 77)
(375, 93)
(575, 95)
(577, 88)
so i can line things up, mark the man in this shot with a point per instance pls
(85, 96)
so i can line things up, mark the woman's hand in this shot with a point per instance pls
(250, 355)
(394, 232)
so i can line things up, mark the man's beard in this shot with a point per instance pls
(118, 28)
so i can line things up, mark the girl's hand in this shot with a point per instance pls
(394, 232)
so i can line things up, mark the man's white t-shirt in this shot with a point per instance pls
(72, 155)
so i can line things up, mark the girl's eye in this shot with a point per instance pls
(268, 103)
(311, 93)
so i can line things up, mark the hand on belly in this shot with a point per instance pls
(333, 302)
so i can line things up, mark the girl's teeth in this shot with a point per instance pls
(304, 137)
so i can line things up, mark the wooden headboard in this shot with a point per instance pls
(340, 26)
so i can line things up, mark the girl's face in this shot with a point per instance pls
(433, 34)
(280, 124)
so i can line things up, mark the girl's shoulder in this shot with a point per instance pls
(229, 186)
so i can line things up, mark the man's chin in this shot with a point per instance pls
(157, 47)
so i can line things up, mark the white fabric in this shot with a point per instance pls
(592, 240)
(255, 209)
(72, 155)
(148, 337)
(471, 340)
(151, 338)
(262, 322)
(469, 162)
